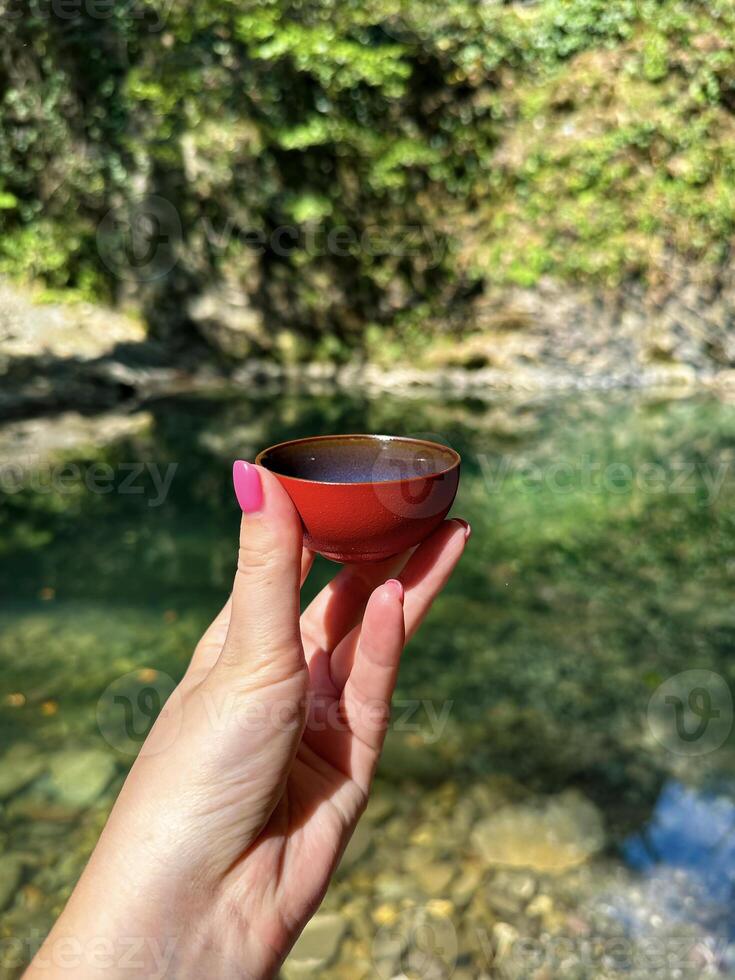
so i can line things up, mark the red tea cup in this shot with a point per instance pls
(365, 497)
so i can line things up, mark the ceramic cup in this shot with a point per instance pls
(365, 497)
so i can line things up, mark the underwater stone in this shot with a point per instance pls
(11, 872)
(551, 835)
(317, 946)
(18, 767)
(80, 776)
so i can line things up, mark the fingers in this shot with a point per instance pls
(423, 578)
(430, 568)
(361, 676)
(307, 560)
(208, 649)
(347, 728)
(373, 676)
(264, 621)
(341, 603)
(369, 688)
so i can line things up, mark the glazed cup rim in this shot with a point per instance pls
(367, 436)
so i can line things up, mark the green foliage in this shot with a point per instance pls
(585, 139)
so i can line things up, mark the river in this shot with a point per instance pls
(557, 796)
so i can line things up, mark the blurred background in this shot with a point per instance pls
(505, 226)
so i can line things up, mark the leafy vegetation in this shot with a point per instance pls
(359, 169)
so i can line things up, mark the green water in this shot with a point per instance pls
(602, 563)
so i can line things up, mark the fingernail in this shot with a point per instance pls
(466, 526)
(248, 488)
(396, 588)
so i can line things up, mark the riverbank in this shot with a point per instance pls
(57, 356)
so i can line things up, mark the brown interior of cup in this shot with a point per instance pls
(358, 458)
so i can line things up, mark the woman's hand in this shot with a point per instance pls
(240, 804)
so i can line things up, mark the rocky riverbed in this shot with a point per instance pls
(466, 881)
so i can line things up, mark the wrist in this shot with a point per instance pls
(104, 933)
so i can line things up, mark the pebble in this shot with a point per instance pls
(32, 898)
(358, 846)
(541, 905)
(435, 879)
(440, 908)
(466, 885)
(385, 915)
(509, 892)
(504, 938)
(404, 758)
(379, 808)
(19, 766)
(423, 964)
(393, 887)
(80, 776)
(11, 874)
(550, 835)
(39, 810)
(423, 837)
(317, 946)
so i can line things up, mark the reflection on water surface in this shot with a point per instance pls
(601, 565)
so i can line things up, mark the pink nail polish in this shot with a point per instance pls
(396, 587)
(466, 526)
(248, 488)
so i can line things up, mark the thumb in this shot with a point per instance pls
(264, 625)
